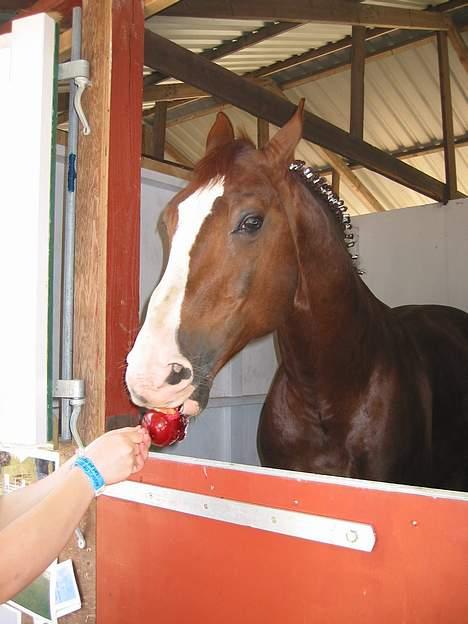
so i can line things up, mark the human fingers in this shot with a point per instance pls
(138, 463)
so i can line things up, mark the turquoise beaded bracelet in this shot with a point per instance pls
(92, 473)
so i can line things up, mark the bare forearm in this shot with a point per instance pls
(18, 502)
(33, 540)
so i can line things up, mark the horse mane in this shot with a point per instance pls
(332, 205)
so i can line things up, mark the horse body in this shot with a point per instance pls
(362, 390)
(393, 407)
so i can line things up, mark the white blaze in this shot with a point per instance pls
(156, 346)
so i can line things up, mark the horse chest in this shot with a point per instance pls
(330, 437)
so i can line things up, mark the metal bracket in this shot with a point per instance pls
(69, 389)
(78, 71)
(73, 69)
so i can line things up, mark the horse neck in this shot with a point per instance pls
(335, 320)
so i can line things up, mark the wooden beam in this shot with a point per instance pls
(15, 5)
(57, 9)
(172, 92)
(263, 132)
(159, 129)
(147, 139)
(165, 55)
(390, 50)
(229, 47)
(166, 167)
(447, 117)
(407, 153)
(459, 45)
(358, 188)
(343, 44)
(151, 7)
(335, 182)
(358, 60)
(332, 11)
(107, 236)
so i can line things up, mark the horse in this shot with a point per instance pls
(260, 244)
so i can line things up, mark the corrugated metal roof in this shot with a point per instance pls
(205, 34)
(402, 109)
(402, 99)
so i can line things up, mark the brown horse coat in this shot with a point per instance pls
(362, 390)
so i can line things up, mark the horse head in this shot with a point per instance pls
(231, 274)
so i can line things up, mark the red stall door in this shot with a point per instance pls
(194, 541)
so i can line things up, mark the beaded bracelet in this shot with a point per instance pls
(93, 474)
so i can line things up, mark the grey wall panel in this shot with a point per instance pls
(416, 255)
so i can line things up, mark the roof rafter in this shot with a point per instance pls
(332, 11)
(166, 56)
(229, 47)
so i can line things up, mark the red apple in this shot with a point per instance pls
(165, 427)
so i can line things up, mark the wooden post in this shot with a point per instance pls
(159, 129)
(358, 58)
(447, 117)
(263, 132)
(335, 182)
(146, 139)
(107, 234)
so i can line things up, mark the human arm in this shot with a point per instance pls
(41, 518)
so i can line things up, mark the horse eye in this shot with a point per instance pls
(250, 224)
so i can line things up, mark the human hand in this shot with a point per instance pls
(118, 454)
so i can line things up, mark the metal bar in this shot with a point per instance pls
(69, 234)
(323, 529)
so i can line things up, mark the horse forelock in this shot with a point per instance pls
(217, 163)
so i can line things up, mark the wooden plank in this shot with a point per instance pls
(166, 167)
(388, 585)
(159, 129)
(183, 64)
(156, 6)
(263, 133)
(90, 267)
(107, 234)
(335, 182)
(183, 115)
(409, 153)
(389, 50)
(333, 11)
(358, 60)
(146, 139)
(354, 183)
(57, 9)
(171, 92)
(459, 45)
(447, 116)
(15, 5)
(343, 44)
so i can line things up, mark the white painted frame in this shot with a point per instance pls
(27, 58)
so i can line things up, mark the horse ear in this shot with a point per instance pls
(221, 132)
(281, 147)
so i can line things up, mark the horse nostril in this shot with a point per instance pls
(178, 373)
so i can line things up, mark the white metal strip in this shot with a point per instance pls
(354, 535)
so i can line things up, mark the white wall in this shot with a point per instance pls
(416, 255)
